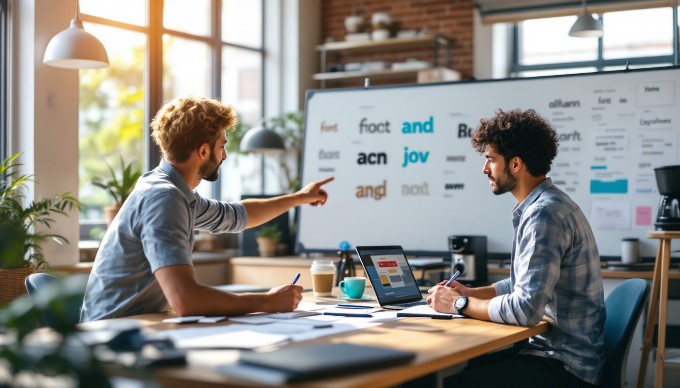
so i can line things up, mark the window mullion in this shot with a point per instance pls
(154, 77)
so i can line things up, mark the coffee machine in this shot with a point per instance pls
(668, 181)
(468, 255)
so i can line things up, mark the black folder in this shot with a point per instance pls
(312, 361)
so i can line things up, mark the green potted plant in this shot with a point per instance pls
(119, 186)
(19, 218)
(267, 238)
(290, 127)
(60, 357)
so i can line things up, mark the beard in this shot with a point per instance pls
(211, 170)
(504, 183)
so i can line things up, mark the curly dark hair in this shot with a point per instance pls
(519, 133)
(183, 124)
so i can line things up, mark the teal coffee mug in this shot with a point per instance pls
(353, 287)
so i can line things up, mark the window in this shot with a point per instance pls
(211, 48)
(641, 38)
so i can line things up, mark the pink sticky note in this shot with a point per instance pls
(643, 216)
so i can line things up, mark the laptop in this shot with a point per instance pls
(391, 276)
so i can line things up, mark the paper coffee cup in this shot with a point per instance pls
(323, 275)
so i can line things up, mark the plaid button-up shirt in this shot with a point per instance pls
(555, 273)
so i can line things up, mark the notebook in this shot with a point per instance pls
(312, 361)
(391, 276)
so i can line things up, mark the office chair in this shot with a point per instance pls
(36, 281)
(59, 300)
(624, 306)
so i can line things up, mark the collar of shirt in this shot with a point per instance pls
(178, 181)
(531, 198)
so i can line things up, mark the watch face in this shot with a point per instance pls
(460, 303)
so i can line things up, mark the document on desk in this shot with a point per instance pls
(253, 336)
(222, 337)
(262, 318)
(425, 311)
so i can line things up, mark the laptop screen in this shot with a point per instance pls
(389, 273)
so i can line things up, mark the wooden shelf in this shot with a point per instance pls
(377, 74)
(430, 42)
(374, 46)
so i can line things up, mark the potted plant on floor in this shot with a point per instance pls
(119, 186)
(19, 218)
(267, 238)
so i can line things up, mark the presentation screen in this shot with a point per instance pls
(406, 173)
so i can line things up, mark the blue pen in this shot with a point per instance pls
(455, 275)
(354, 306)
(297, 277)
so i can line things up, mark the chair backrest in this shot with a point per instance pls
(59, 300)
(624, 306)
(36, 281)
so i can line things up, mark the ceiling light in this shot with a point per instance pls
(75, 48)
(586, 26)
(261, 139)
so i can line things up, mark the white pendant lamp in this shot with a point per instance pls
(75, 48)
(586, 26)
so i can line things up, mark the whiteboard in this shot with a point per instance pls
(405, 171)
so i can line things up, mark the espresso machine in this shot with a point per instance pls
(668, 181)
(468, 255)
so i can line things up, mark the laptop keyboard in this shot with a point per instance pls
(404, 305)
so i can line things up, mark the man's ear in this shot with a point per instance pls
(204, 151)
(516, 164)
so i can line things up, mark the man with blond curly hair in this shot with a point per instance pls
(144, 262)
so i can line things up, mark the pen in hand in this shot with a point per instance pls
(297, 277)
(455, 275)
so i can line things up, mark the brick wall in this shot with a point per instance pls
(452, 19)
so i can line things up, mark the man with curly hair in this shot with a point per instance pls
(554, 274)
(144, 262)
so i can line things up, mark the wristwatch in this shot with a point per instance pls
(460, 304)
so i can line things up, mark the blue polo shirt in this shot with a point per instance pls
(154, 229)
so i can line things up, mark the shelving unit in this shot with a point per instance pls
(436, 43)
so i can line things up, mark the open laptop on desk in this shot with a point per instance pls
(391, 276)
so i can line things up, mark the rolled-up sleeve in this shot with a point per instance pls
(220, 217)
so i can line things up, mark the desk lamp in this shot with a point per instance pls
(75, 48)
(262, 140)
(586, 26)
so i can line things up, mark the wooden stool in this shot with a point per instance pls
(658, 302)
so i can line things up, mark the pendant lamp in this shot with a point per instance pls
(75, 48)
(262, 140)
(586, 26)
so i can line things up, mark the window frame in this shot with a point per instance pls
(154, 30)
(516, 68)
(4, 78)
(153, 73)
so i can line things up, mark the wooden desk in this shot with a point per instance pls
(658, 302)
(458, 341)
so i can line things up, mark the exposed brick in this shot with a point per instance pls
(449, 18)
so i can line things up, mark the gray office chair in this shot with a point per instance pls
(624, 307)
(58, 300)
